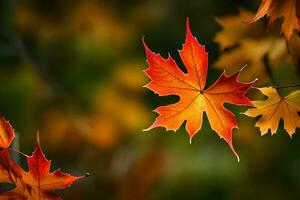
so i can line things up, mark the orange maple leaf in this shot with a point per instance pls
(287, 9)
(168, 79)
(37, 183)
(6, 133)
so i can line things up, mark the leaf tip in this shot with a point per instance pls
(149, 128)
(143, 39)
(256, 79)
(187, 23)
(229, 142)
(144, 44)
(291, 134)
(38, 138)
(87, 174)
(246, 65)
(242, 113)
(188, 29)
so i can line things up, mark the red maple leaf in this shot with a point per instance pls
(167, 79)
(36, 184)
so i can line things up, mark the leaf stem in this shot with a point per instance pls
(269, 71)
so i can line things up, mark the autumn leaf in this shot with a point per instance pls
(9, 170)
(37, 183)
(167, 79)
(6, 133)
(286, 9)
(275, 108)
(242, 44)
(233, 30)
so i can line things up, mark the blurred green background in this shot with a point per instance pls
(72, 70)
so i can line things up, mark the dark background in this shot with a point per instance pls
(72, 70)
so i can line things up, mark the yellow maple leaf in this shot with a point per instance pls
(275, 108)
(252, 52)
(242, 44)
(233, 30)
(286, 9)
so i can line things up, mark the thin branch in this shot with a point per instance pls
(287, 86)
(298, 67)
(268, 68)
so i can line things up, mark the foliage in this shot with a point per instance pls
(168, 79)
(250, 44)
(275, 108)
(37, 183)
(73, 70)
(286, 9)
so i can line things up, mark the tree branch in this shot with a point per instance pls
(268, 68)
(287, 86)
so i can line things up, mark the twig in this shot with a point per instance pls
(287, 86)
(298, 67)
(268, 68)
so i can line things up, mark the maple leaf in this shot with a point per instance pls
(8, 168)
(275, 108)
(37, 183)
(168, 79)
(242, 44)
(6, 133)
(287, 9)
(233, 30)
